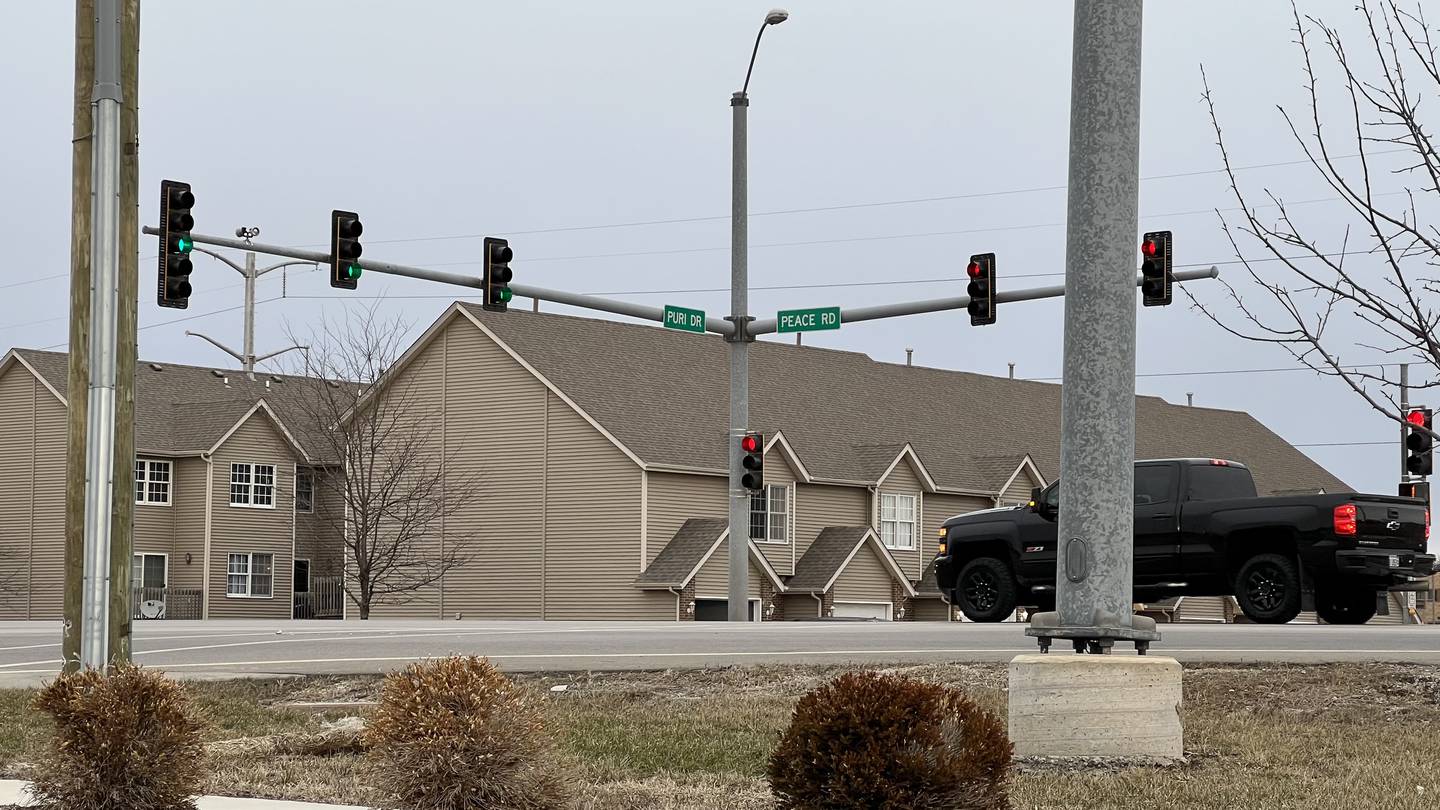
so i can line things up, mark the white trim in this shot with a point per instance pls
(309, 577)
(791, 457)
(789, 513)
(205, 589)
(885, 558)
(553, 388)
(756, 556)
(644, 517)
(704, 558)
(295, 500)
(284, 431)
(294, 522)
(14, 355)
(250, 574)
(1024, 465)
(169, 481)
(915, 463)
(889, 606)
(915, 522)
(250, 503)
(135, 554)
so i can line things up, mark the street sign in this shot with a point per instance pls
(688, 320)
(807, 320)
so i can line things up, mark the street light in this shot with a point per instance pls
(740, 342)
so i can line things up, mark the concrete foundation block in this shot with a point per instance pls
(1096, 706)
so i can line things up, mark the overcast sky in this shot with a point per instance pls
(441, 122)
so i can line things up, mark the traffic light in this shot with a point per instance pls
(1155, 288)
(752, 459)
(1419, 446)
(981, 289)
(345, 250)
(496, 281)
(173, 284)
(1416, 489)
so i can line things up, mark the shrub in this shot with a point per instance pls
(872, 740)
(456, 733)
(124, 740)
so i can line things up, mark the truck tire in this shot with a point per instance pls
(1337, 604)
(1268, 589)
(985, 590)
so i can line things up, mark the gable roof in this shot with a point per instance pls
(690, 548)
(832, 550)
(189, 409)
(824, 399)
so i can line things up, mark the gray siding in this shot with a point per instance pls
(930, 610)
(1201, 609)
(781, 556)
(673, 499)
(713, 579)
(941, 507)
(904, 481)
(189, 488)
(317, 533)
(155, 523)
(1019, 490)
(801, 606)
(251, 529)
(818, 506)
(865, 579)
(32, 520)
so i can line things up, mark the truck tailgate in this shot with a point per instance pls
(1390, 522)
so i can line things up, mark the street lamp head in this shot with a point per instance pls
(776, 16)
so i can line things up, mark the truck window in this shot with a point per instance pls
(1209, 482)
(1154, 483)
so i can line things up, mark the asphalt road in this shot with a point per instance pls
(30, 651)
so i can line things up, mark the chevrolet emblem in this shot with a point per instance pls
(1393, 525)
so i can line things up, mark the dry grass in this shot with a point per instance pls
(1343, 736)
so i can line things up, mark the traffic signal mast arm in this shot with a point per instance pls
(763, 326)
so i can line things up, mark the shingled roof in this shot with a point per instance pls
(186, 409)
(673, 566)
(822, 398)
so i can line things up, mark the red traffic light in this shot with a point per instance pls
(1150, 247)
(974, 270)
(1416, 418)
(750, 444)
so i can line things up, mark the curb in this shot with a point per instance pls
(13, 791)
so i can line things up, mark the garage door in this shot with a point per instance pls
(862, 610)
(718, 610)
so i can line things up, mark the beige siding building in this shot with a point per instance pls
(217, 531)
(599, 449)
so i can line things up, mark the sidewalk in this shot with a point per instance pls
(12, 791)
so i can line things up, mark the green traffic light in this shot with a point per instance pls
(184, 245)
(352, 271)
(505, 295)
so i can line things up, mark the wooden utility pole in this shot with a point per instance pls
(123, 505)
(80, 162)
(122, 535)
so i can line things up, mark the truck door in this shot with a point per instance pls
(1157, 510)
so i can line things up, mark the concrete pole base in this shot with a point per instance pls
(1096, 706)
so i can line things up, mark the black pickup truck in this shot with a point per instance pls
(1200, 530)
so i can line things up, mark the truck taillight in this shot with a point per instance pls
(1345, 520)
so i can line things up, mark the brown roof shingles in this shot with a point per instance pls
(824, 557)
(672, 566)
(664, 395)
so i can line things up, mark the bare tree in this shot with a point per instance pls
(1368, 286)
(383, 485)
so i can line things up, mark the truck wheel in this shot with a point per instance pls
(985, 590)
(1268, 589)
(1339, 605)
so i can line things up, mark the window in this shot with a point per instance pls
(252, 485)
(897, 521)
(250, 575)
(152, 482)
(1154, 483)
(147, 571)
(301, 582)
(304, 490)
(770, 514)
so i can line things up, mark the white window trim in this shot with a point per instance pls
(913, 521)
(169, 483)
(789, 516)
(250, 494)
(249, 574)
(308, 472)
(142, 569)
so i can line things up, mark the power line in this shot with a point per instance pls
(1344, 444)
(173, 321)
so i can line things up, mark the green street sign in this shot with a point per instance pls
(807, 320)
(686, 320)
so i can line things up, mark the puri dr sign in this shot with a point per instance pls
(807, 320)
(688, 320)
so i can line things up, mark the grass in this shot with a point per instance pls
(1342, 736)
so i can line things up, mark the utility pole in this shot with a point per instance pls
(1095, 559)
(79, 360)
(740, 340)
(247, 356)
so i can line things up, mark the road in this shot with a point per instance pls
(29, 651)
